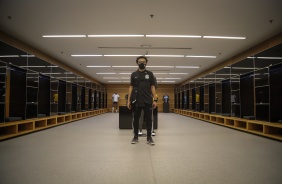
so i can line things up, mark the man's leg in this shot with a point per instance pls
(148, 119)
(136, 116)
(141, 120)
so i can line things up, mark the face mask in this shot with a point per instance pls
(142, 66)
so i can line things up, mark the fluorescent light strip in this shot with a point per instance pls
(177, 73)
(105, 73)
(63, 36)
(51, 73)
(125, 81)
(164, 55)
(160, 73)
(87, 55)
(33, 66)
(9, 56)
(159, 78)
(98, 66)
(122, 55)
(53, 66)
(200, 56)
(124, 66)
(269, 57)
(168, 81)
(160, 66)
(114, 81)
(115, 35)
(174, 36)
(187, 67)
(27, 55)
(124, 73)
(225, 37)
(125, 78)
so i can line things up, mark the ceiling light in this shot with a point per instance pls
(63, 36)
(160, 66)
(164, 55)
(269, 57)
(51, 73)
(105, 73)
(200, 56)
(99, 66)
(225, 37)
(33, 66)
(125, 77)
(160, 73)
(9, 56)
(174, 36)
(123, 55)
(187, 67)
(124, 66)
(53, 66)
(168, 81)
(115, 35)
(114, 81)
(159, 78)
(178, 73)
(125, 81)
(87, 55)
(27, 55)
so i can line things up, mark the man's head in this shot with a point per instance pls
(141, 61)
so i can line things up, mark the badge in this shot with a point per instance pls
(146, 76)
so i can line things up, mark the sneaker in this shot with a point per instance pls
(140, 132)
(134, 140)
(153, 133)
(150, 141)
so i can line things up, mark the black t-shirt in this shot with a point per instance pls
(142, 81)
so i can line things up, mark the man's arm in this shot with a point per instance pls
(153, 90)
(129, 95)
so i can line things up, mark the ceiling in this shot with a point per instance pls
(29, 20)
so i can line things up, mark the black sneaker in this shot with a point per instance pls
(134, 140)
(150, 141)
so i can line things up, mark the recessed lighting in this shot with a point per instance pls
(86, 55)
(164, 55)
(187, 67)
(160, 66)
(225, 37)
(124, 66)
(269, 57)
(174, 36)
(63, 36)
(200, 56)
(115, 35)
(99, 66)
(122, 55)
(10, 56)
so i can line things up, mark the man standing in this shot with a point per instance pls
(115, 98)
(141, 90)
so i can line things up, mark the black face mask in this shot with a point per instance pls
(142, 66)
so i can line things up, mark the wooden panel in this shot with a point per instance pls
(122, 90)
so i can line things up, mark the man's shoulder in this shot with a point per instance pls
(149, 72)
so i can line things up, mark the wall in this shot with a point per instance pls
(122, 90)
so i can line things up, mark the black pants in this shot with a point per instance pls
(147, 116)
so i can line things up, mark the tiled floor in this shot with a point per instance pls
(95, 150)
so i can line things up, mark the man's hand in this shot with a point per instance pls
(154, 105)
(128, 105)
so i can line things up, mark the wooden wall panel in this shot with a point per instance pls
(122, 90)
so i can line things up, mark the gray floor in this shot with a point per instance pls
(94, 151)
